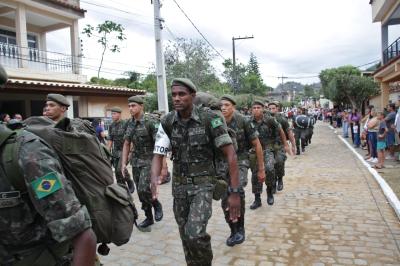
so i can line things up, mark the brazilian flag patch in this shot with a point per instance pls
(216, 122)
(46, 185)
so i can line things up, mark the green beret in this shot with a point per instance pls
(258, 102)
(228, 97)
(116, 109)
(135, 99)
(58, 98)
(185, 83)
(3, 76)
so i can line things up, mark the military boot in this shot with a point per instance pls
(230, 240)
(240, 234)
(280, 184)
(158, 212)
(297, 150)
(274, 186)
(149, 219)
(270, 196)
(257, 202)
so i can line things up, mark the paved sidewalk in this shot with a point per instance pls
(331, 212)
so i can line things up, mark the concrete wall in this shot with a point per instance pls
(376, 102)
(98, 106)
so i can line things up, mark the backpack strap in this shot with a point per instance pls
(9, 160)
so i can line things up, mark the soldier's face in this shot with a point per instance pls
(182, 98)
(115, 116)
(227, 108)
(257, 110)
(273, 109)
(135, 108)
(54, 111)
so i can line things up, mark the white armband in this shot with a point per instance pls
(162, 144)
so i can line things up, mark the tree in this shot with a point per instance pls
(252, 67)
(109, 32)
(309, 91)
(345, 85)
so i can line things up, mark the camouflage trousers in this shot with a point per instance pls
(300, 135)
(192, 209)
(280, 158)
(142, 179)
(118, 172)
(269, 162)
(243, 171)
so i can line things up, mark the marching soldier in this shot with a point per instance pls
(193, 133)
(246, 138)
(269, 130)
(115, 144)
(280, 154)
(141, 134)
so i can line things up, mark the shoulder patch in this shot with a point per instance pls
(216, 122)
(46, 185)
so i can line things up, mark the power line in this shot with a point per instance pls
(201, 34)
(113, 8)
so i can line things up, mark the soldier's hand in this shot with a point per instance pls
(154, 186)
(261, 175)
(124, 170)
(293, 149)
(288, 150)
(234, 207)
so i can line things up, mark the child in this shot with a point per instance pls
(381, 144)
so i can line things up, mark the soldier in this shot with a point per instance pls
(246, 137)
(269, 130)
(300, 125)
(40, 216)
(280, 155)
(193, 134)
(56, 106)
(117, 132)
(141, 133)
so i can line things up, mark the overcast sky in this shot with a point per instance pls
(291, 37)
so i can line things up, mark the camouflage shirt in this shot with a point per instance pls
(117, 132)
(245, 131)
(284, 124)
(142, 133)
(49, 210)
(268, 129)
(193, 142)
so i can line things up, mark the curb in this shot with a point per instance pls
(387, 190)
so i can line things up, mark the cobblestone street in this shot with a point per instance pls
(331, 212)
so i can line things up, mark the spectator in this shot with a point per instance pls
(390, 119)
(339, 118)
(364, 134)
(18, 117)
(345, 123)
(381, 143)
(397, 126)
(373, 128)
(100, 132)
(354, 119)
(5, 118)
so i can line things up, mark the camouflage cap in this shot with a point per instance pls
(116, 109)
(135, 99)
(58, 98)
(187, 83)
(3, 76)
(258, 102)
(228, 97)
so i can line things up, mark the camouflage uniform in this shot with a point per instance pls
(193, 145)
(117, 132)
(280, 154)
(268, 129)
(300, 135)
(37, 231)
(142, 134)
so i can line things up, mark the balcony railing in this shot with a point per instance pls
(35, 59)
(391, 52)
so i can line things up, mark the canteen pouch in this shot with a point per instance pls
(220, 188)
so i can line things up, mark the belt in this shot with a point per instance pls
(185, 180)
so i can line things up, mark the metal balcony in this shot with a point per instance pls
(391, 52)
(12, 56)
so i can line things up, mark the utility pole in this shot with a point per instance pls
(235, 78)
(160, 69)
(282, 78)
